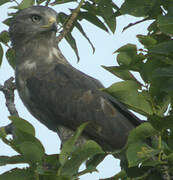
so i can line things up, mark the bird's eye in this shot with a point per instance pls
(35, 18)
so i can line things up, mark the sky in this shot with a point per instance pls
(90, 64)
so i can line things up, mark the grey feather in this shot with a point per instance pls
(59, 95)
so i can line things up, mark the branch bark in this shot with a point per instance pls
(8, 90)
(69, 23)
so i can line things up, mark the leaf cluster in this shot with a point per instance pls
(41, 166)
(149, 150)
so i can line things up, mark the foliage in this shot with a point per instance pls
(149, 150)
(64, 166)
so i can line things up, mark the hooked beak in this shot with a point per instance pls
(52, 24)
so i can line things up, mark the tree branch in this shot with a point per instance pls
(15, 2)
(8, 91)
(47, 2)
(70, 22)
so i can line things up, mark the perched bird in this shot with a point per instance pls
(57, 94)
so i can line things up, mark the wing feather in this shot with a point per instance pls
(68, 97)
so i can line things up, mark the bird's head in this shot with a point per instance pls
(33, 22)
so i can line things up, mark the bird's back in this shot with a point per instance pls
(68, 97)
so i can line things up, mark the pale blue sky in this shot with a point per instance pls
(90, 63)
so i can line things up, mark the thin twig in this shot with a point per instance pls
(15, 2)
(47, 2)
(132, 24)
(70, 22)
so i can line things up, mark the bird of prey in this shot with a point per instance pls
(57, 94)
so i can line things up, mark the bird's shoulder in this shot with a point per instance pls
(65, 76)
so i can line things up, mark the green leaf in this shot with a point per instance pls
(140, 133)
(136, 171)
(137, 8)
(92, 19)
(127, 93)
(25, 4)
(165, 23)
(93, 162)
(139, 152)
(53, 177)
(170, 157)
(22, 137)
(123, 85)
(1, 54)
(18, 174)
(40, 1)
(10, 55)
(164, 48)
(7, 21)
(4, 1)
(147, 41)
(3, 133)
(152, 27)
(151, 163)
(133, 24)
(24, 132)
(52, 161)
(79, 27)
(88, 6)
(155, 175)
(22, 125)
(163, 72)
(169, 141)
(120, 72)
(62, 18)
(161, 103)
(161, 123)
(81, 154)
(68, 146)
(148, 67)
(130, 48)
(121, 175)
(62, 1)
(169, 7)
(107, 13)
(72, 42)
(128, 57)
(13, 7)
(166, 4)
(4, 37)
(167, 86)
(4, 160)
(156, 88)
(123, 58)
(31, 152)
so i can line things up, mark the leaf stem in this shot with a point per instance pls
(132, 24)
(159, 147)
(47, 3)
(69, 23)
(15, 2)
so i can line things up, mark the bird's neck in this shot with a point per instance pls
(37, 49)
(39, 54)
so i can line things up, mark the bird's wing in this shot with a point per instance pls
(68, 97)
